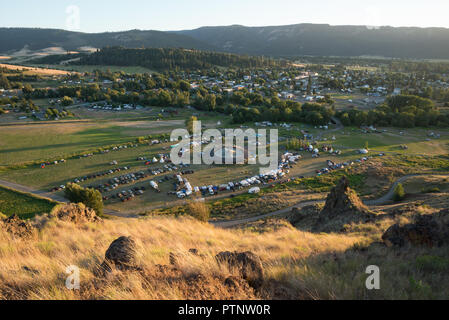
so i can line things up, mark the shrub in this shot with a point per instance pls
(90, 197)
(199, 210)
(431, 190)
(428, 263)
(399, 193)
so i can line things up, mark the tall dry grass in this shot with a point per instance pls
(35, 269)
(311, 265)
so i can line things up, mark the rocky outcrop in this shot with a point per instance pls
(306, 216)
(427, 231)
(343, 206)
(75, 213)
(248, 265)
(342, 200)
(18, 228)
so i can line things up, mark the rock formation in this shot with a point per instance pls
(18, 228)
(248, 264)
(76, 213)
(342, 206)
(428, 231)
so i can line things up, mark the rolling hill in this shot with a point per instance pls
(326, 40)
(15, 39)
(291, 40)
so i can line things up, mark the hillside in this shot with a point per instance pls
(313, 253)
(291, 40)
(326, 40)
(15, 39)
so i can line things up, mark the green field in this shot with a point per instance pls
(22, 144)
(24, 205)
(27, 143)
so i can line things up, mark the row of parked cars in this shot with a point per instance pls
(127, 195)
(114, 183)
(286, 163)
(92, 176)
(331, 166)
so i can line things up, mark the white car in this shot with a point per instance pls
(254, 190)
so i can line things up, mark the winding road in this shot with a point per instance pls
(226, 223)
(371, 203)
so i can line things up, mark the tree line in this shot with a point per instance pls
(170, 59)
(405, 111)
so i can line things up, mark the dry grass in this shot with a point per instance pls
(61, 244)
(198, 210)
(38, 71)
(306, 265)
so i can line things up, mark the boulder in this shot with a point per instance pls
(248, 264)
(121, 254)
(427, 231)
(17, 227)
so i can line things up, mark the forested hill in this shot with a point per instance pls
(327, 40)
(169, 59)
(34, 39)
(280, 41)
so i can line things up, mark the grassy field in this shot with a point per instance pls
(24, 205)
(46, 141)
(42, 71)
(26, 143)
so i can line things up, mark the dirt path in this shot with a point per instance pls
(221, 224)
(234, 223)
(371, 203)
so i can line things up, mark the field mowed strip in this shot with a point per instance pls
(24, 205)
(25, 143)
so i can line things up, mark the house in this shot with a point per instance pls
(397, 91)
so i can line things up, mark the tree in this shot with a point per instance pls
(90, 197)
(27, 89)
(399, 193)
(66, 101)
(189, 123)
(4, 82)
(309, 86)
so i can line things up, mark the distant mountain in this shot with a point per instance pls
(15, 39)
(326, 40)
(292, 40)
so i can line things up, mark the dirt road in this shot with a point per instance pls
(221, 224)
(371, 203)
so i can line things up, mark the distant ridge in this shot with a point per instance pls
(290, 40)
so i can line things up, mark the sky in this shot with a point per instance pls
(107, 15)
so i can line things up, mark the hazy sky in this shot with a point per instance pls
(113, 15)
